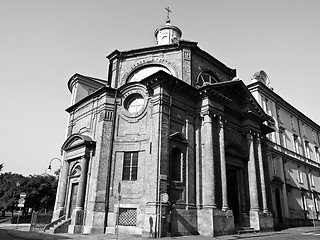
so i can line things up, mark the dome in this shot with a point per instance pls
(167, 34)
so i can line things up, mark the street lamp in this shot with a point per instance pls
(49, 167)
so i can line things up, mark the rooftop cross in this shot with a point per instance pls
(168, 12)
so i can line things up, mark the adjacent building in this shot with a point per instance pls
(173, 143)
(293, 157)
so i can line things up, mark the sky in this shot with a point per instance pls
(44, 43)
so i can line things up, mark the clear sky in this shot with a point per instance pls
(43, 43)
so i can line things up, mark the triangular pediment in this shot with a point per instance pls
(277, 181)
(240, 99)
(177, 136)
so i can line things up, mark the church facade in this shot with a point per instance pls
(172, 143)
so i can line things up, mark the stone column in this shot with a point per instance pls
(253, 187)
(198, 164)
(78, 212)
(223, 166)
(262, 179)
(208, 183)
(82, 184)
(63, 182)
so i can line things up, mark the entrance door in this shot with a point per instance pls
(233, 193)
(278, 205)
(73, 198)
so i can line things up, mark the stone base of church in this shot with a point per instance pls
(92, 230)
(57, 214)
(266, 222)
(74, 229)
(215, 222)
(76, 221)
(223, 222)
(112, 227)
(261, 221)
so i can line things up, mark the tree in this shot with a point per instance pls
(10, 189)
(41, 192)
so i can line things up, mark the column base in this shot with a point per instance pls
(261, 221)
(266, 222)
(76, 221)
(74, 229)
(223, 222)
(215, 222)
(58, 213)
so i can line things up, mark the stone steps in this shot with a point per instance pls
(243, 230)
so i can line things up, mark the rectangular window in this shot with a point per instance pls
(306, 145)
(266, 107)
(316, 205)
(283, 138)
(130, 166)
(316, 152)
(286, 173)
(304, 130)
(292, 122)
(274, 167)
(311, 178)
(296, 144)
(300, 177)
(127, 216)
(313, 136)
(304, 202)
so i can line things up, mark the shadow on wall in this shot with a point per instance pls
(184, 222)
(151, 225)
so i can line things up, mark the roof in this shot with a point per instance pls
(77, 76)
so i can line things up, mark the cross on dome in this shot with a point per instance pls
(168, 13)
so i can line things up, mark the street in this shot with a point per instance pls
(291, 236)
(11, 232)
(5, 236)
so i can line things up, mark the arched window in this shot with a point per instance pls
(146, 71)
(206, 78)
(176, 164)
(76, 171)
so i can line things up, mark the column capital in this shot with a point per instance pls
(212, 115)
(252, 132)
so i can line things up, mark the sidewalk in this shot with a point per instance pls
(22, 231)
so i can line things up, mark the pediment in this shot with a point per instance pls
(241, 100)
(277, 181)
(76, 140)
(177, 136)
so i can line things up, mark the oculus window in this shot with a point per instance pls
(134, 103)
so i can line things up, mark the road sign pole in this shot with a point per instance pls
(18, 217)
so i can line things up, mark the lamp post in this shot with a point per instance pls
(49, 167)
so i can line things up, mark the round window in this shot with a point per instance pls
(134, 103)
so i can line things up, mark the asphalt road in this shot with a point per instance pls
(5, 236)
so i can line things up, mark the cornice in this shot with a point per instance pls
(90, 96)
(280, 102)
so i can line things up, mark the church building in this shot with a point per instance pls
(172, 143)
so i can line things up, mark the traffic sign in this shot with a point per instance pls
(164, 197)
(21, 205)
(21, 201)
(23, 195)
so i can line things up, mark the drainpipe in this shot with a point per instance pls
(110, 158)
(158, 213)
